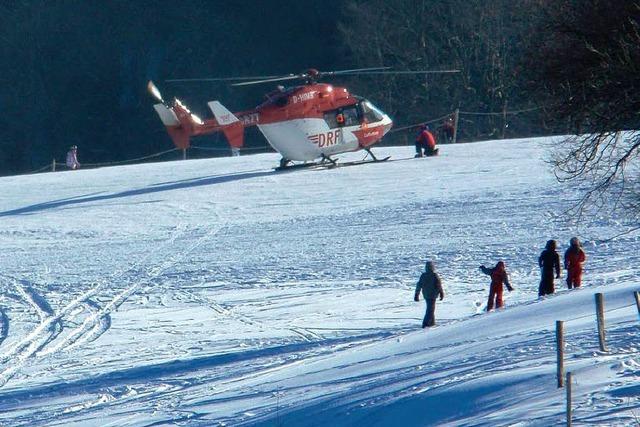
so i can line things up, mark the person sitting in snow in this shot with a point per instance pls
(425, 141)
(72, 158)
(549, 261)
(499, 277)
(431, 287)
(574, 259)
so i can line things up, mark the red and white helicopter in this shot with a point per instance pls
(303, 123)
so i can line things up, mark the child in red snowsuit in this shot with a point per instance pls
(499, 277)
(574, 258)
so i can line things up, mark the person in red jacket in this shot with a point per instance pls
(425, 141)
(499, 277)
(574, 259)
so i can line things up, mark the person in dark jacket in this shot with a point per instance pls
(574, 258)
(425, 141)
(431, 287)
(549, 262)
(499, 277)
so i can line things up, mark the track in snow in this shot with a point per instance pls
(93, 325)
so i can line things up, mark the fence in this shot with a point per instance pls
(560, 345)
(56, 165)
(456, 116)
(469, 120)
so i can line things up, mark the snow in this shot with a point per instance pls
(220, 292)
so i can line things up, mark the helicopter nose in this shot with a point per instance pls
(388, 124)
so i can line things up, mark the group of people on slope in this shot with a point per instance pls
(549, 262)
(426, 140)
(430, 284)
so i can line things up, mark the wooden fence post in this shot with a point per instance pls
(569, 378)
(637, 295)
(600, 316)
(455, 126)
(560, 351)
(504, 120)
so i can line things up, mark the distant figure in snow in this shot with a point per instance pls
(72, 158)
(447, 129)
(425, 141)
(499, 277)
(549, 262)
(431, 287)
(574, 259)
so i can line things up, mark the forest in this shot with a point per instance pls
(75, 72)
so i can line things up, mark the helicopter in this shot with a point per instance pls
(304, 123)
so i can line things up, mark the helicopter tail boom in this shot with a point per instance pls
(182, 124)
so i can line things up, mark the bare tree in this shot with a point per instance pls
(484, 40)
(589, 67)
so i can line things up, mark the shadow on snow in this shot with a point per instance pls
(164, 370)
(154, 188)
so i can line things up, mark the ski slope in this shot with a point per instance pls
(220, 293)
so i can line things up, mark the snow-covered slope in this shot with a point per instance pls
(220, 292)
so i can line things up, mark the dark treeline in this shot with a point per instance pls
(75, 72)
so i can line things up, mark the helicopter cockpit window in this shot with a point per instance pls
(351, 116)
(371, 113)
(346, 116)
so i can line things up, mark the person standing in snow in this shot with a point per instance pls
(431, 287)
(499, 277)
(549, 262)
(574, 259)
(447, 129)
(425, 141)
(72, 158)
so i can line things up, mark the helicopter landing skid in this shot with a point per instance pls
(364, 162)
(323, 164)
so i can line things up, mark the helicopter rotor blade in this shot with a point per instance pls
(278, 79)
(219, 79)
(352, 71)
(412, 72)
(154, 91)
(309, 75)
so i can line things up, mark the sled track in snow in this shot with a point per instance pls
(305, 334)
(99, 321)
(49, 327)
(4, 326)
(26, 295)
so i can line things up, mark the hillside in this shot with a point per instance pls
(220, 292)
